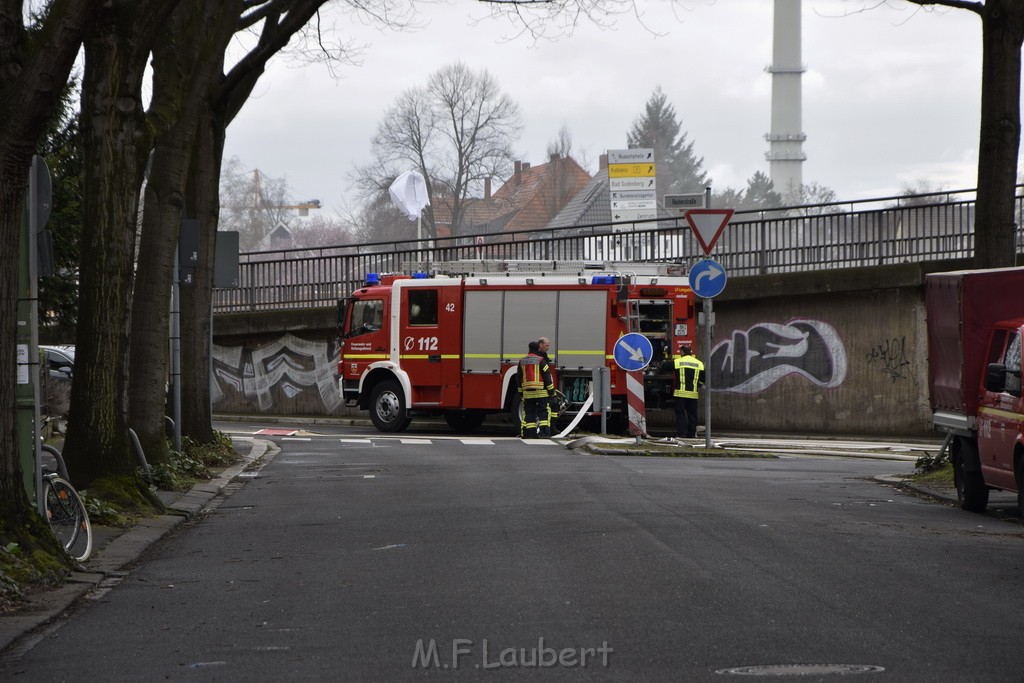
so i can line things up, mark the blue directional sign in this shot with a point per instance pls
(633, 351)
(707, 278)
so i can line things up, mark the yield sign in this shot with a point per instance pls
(708, 224)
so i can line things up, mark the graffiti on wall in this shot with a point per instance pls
(891, 357)
(289, 364)
(761, 355)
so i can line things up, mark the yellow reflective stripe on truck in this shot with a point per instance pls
(424, 356)
(995, 412)
(364, 356)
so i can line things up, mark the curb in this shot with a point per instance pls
(108, 563)
(905, 485)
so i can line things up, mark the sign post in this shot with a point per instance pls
(27, 391)
(707, 280)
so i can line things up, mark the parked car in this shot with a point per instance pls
(60, 366)
(60, 360)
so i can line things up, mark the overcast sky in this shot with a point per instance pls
(890, 97)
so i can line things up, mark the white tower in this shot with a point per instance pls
(786, 140)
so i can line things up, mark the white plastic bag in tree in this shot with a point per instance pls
(409, 193)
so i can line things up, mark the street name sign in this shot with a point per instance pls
(631, 191)
(679, 204)
(707, 225)
(631, 156)
(634, 214)
(633, 351)
(707, 278)
(630, 170)
(616, 184)
(634, 195)
(639, 204)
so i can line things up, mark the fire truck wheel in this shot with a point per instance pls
(387, 407)
(463, 421)
(971, 491)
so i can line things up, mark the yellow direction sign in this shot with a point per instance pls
(631, 170)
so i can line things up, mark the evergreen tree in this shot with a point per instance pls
(678, 168)
(761, 193)
(729, 198)
(62, 149)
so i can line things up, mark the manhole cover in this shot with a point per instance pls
(801, 670)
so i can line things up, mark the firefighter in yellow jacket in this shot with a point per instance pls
(535, 390)
(688, 376)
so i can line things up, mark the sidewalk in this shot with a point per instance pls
(115, 548)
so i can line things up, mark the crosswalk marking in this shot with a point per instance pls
(477, 442)
(414, 442)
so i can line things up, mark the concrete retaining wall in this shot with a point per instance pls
(834, 352)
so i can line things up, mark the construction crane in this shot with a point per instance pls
(303, 207)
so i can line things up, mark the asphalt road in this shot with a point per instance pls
(352, 557)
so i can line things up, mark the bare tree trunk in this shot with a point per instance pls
(994, 228)
(196, 301)
(186, 59)
(225, 99)
(116, 145)
(33, 72)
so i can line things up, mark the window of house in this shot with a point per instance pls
(422, 307)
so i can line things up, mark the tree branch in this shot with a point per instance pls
(976, 7)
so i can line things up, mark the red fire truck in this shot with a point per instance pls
(445, 339)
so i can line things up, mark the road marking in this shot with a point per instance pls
(477, 442)
(296, 438)
(364, 442)
(277, 432)
(416, 442)
(369, 476)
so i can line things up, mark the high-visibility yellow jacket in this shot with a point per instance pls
(689, 375)
(534, 377)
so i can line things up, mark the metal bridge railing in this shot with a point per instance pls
(872, 232)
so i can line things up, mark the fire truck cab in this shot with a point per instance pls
(446, 338)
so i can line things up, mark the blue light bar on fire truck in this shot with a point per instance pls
(603, 280)
(419, 276)
(372, 279)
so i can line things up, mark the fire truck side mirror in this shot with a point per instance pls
(342, 310)
(995, 377)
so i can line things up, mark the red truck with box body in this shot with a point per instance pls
(445, 338)
(975, 321)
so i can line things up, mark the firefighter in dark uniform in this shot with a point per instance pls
(535, 390)
(687, 377)
(543, 344)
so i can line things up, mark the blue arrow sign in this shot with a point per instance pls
(633, 351)
(707, 278)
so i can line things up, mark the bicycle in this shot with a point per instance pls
(65, 510)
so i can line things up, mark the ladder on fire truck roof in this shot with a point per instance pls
(538, 268)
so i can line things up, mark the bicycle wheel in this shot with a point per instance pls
(68, 518)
